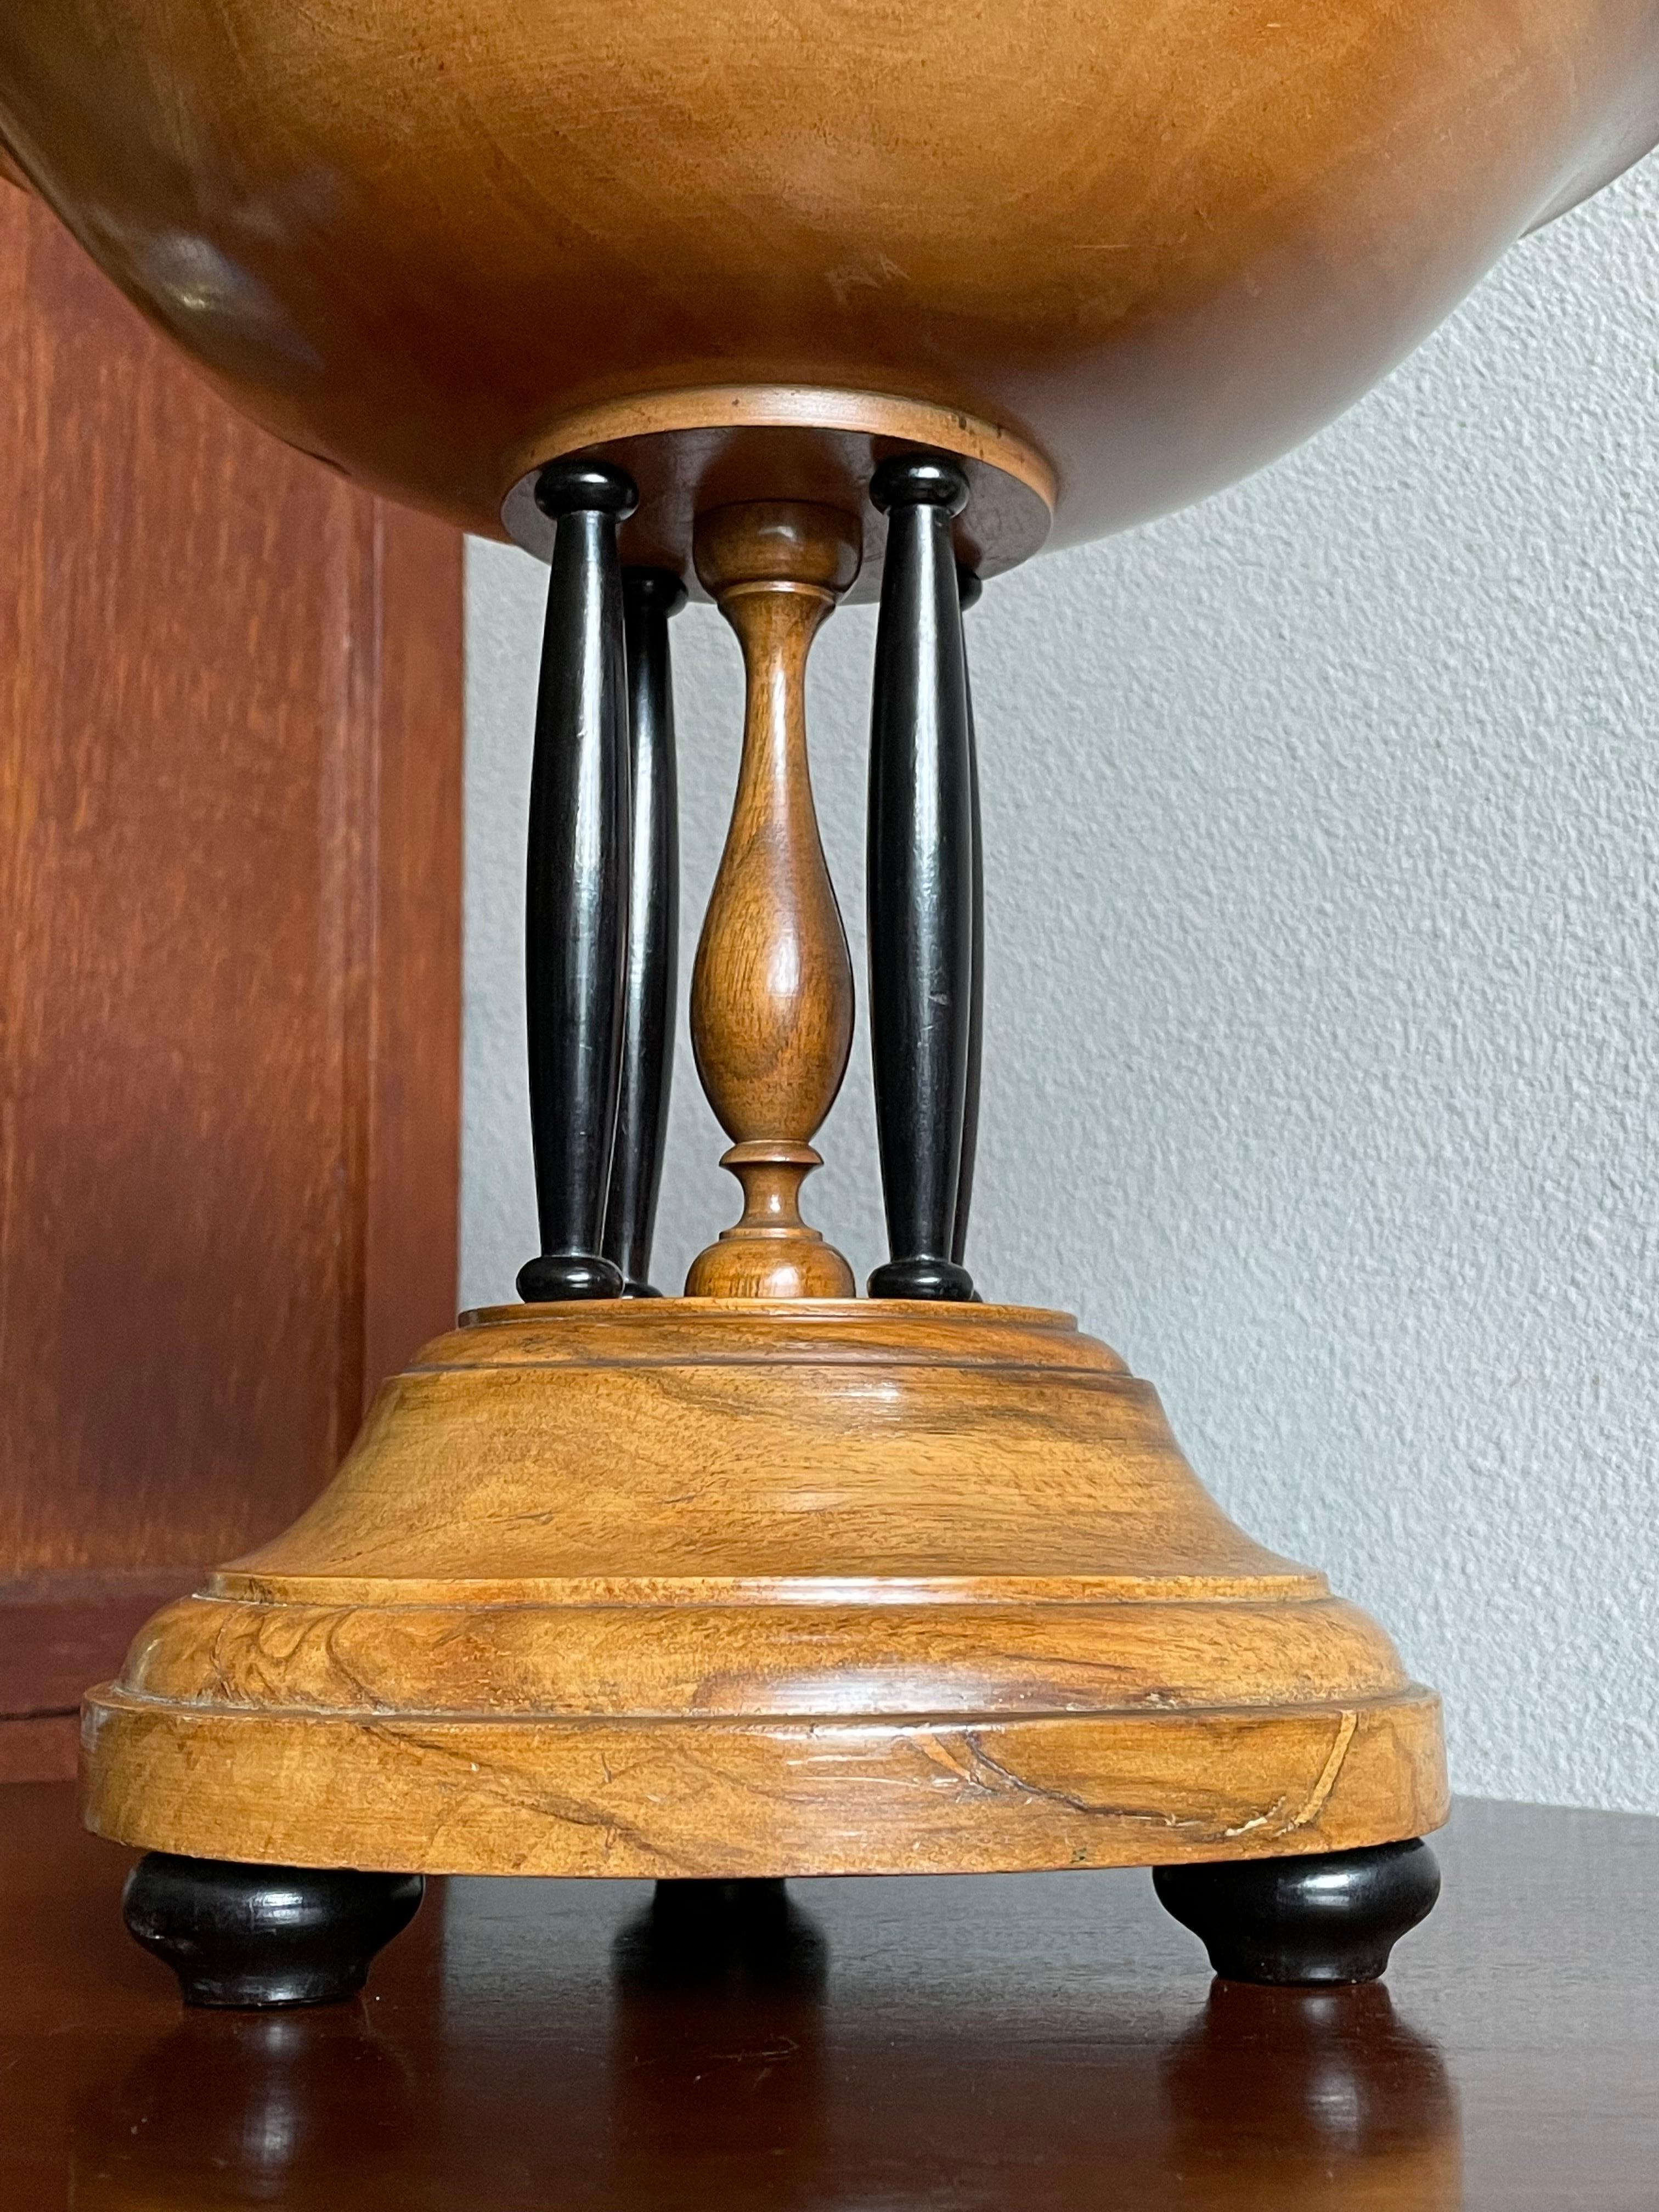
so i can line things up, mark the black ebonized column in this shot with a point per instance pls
(968, 588)
(650, 596)
(1330, 1917)
(577, 885)
(920, 889)
(248, 1937)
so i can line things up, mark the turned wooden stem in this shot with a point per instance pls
(921, 884)
(772, 990)
(650, 597)
(575, 907)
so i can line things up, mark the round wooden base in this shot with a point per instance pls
(708, 1588)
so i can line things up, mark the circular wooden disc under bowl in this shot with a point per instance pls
(690, 453)
(691, 1587)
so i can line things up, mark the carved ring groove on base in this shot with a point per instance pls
(727, 1799)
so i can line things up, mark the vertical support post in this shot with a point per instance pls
(577, 877)
(920, 879)
(968, 588)
(650, 597)
(772, 990)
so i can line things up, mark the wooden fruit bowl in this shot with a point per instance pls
(1117, 255)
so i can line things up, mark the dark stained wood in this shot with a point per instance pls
(651, 597)
(576, 901)
(970, 588)
(39, 1747)
(229, 953)
(57, 1629)
(244, 1938)
(921, 882)
(409, 663)
(1027, 2044)
(1332, 1917)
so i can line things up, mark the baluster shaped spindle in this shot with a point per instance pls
(650, 596)
(968, 588)
(772, 991)
(577, 882)
(921, 880)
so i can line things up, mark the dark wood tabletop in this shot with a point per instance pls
(1051, 2043)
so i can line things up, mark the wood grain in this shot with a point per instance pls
(745, 1588)
(229, 960)
(1158, 247)
(691, 453)
(725, 1800)
(772, 988)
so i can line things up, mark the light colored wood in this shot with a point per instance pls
(915, 1591)
(772, 989)
(865, 1332)
(805, 1657)
(692, 451)
(726, 411)
(735, 1588)
(1155, 245)
(646, 1797)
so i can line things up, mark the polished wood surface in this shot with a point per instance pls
(1155, 246)
(772, 989)
(693, 451)
(230, 760)
(577, 880)
(651, 598)
(725, 1588)
(923, 885)
(1025, 2044)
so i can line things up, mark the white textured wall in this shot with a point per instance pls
(1323, 897)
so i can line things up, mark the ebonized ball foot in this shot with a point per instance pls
(249, 1937)
(1332, 1917)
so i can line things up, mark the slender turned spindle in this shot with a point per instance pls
(968, 588)
(575, 909)
(921, 880)
(650, 596)
(772, 990)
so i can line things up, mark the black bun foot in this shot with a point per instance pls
(250, 1937)
(711, 1936)
(1332, 1917)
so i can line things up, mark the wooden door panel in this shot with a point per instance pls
(229, 965)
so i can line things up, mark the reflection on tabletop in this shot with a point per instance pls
(708, 2055)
